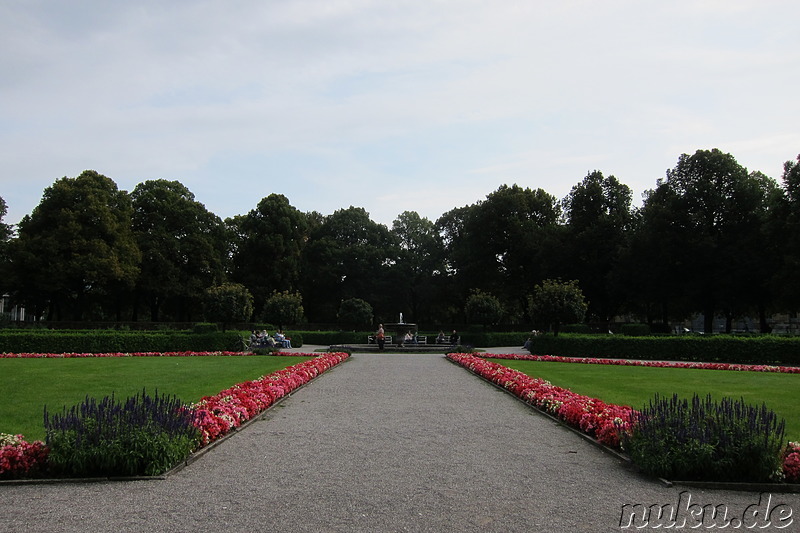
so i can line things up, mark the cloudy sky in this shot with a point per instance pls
(388, 105)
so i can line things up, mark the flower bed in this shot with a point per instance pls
(604, 422)
(659, 364)
(215, 415)
(229, 409)
(20, 458)
(139, 354)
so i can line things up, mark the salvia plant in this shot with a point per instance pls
(708, 440)
(144, 435)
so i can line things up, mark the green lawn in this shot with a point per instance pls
(635, 386)
(27, 385)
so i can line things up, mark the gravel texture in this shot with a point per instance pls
(382, 442)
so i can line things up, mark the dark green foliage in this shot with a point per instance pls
(183, 248)
(557, 302)
(76, 251)
(760, 350)
(355, 313)
(143, 436)
(417, 283)
(635, 330)
(205, 327)
(227, 303)
(283, 308)
(705, 440)
(576, 328)
(598, 212)
(103, 341)
(268, 243)
(483, 308)
(347, 256)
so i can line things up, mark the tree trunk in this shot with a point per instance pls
(762, 319)
(708, 320)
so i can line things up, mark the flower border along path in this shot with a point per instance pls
(600, 422)
(216, 416)
(657, 364)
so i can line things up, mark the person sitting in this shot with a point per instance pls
(408, 338)
(253, 338)
(454, 338)
(282, 340)
(440, 338)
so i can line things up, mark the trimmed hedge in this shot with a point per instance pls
(757, 350)
(104, 341)
(468, 338)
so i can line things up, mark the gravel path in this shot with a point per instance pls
(379, 443)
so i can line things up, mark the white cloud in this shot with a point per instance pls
(332, 101)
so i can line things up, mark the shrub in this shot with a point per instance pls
(205, 327)
(635, 330)
(144, 436)
(704, 440)
(576, 328)
(354, 313)
(762, 350)
(98, 341)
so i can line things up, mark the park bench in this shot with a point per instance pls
(372, 340)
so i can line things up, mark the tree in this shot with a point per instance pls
(283, 308)
(228, 303)
(783, 228)
(507, 240)
(5, 236)
(183, 246)
(419, 268)
(555, 303)
(701, 224)
(76, 251)
(268, 247)
(598, 213)
(483, 308)
(355, 313)
(347, 256)
(5, 229)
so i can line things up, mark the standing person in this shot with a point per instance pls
(381, 337)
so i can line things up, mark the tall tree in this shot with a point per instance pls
(784, 234)
(183, 246)
(419, 267)
(598, 213)
(268, 247)
(348, 256)
(76, 248)
(507, 240)
(703, 218)
(5, 237)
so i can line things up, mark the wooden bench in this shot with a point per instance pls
(372, 340)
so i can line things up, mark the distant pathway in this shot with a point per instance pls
(379, 443)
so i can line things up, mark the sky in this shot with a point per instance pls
(388, 105)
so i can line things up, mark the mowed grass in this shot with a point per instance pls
(636, 386)
(27, 385)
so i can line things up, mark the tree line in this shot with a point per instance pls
(710, 237)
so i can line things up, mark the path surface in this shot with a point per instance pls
(379, 443)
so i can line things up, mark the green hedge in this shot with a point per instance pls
(104, 341)
(328, 338)
(468, 338)
(765, 350)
